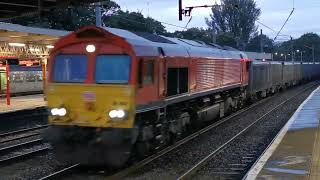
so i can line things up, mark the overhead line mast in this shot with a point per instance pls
(187, 10)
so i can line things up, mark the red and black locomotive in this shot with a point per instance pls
(112, 92)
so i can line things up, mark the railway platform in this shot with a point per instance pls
(295, 152)
(22, 103)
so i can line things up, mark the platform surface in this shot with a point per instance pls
(295, 152)
(22, 103)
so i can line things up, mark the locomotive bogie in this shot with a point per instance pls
(91, 146)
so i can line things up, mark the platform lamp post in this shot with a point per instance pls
(44, 77)
(284, 57)
(274, 55)
(312, 48)
(8, 82)
(298, 51)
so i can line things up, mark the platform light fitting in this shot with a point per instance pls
(17, 44)
(49, 46)
(15, 36)
(34, 49)
(90, 48)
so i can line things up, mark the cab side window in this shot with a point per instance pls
(148, 72)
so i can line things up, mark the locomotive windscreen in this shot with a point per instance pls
(114, 69)
(70, 68)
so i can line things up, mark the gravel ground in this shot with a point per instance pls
(235, 160)
(180, 160)
(30, 169)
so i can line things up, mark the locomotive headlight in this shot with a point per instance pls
(117, 114)
(62, 112)
(121, 114)
(90, 48)
(58, 112)
(113, 114)
(54, 111)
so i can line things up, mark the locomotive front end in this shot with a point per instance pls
(91, 98)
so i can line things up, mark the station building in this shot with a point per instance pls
(26, 50)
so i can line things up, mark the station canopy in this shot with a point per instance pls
(27, 43)
(16, 8)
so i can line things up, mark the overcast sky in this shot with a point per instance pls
(274, 13)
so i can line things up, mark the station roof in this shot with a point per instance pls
(34, 41)
(14, 8)
(24, 34)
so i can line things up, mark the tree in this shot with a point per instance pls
(226, 39)
(67, 17)
(236, 17)
(304, 44)
(194, 34)
(254, 44)
(134, 21)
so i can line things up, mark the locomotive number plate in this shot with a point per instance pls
(89, 96)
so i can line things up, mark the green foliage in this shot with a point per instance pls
(134, 21)
(207, 36)
(304, 44)
(254, 44)
(194, 34)
(66, 18)
(73, 17)
(235, 17)
(226, 39)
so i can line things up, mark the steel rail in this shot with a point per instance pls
(60, 172)
(188, 174)
(19, 138)
(20, 145)
(22, 131)
(24, 155)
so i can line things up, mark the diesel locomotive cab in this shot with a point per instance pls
(101, 107)
(91, 96)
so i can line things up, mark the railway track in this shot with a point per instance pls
(22, 150)
(247, 156)
(159, 154)
(20, 134)
(20, 144)
(189, 173)
(60, 172)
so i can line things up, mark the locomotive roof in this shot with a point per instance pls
(147, 44)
